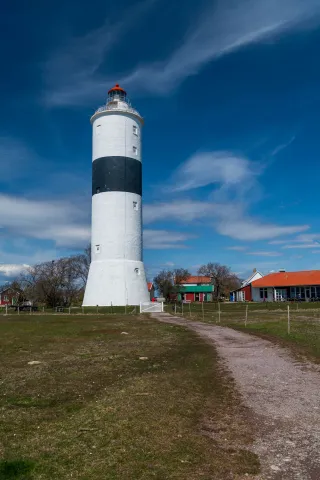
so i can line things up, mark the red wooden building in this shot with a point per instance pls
(244, 293)
(196, 289)
(8, 296)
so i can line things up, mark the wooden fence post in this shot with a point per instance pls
(288, 319)
(202, 312)
(190, 309)
(219, 312)
(246, 320)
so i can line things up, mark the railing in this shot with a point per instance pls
(117, 109)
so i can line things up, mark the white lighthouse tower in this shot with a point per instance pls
(116, 273)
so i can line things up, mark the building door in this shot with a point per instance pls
(197, 297)
(281, 294)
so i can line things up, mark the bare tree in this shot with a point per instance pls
(167, 281)
(222, 278)
(53, 283)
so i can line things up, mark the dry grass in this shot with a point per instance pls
(93, 410)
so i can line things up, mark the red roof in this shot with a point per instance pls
(117, 88)
(150, 285)
(196, 279)
(289, 279)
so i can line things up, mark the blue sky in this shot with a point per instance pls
(230, 94)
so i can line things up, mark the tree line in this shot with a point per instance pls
(223, 279)
(62, 282)
(56, 283)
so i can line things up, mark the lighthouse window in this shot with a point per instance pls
(98, 130)
(137, 271)
(135, 206)
(135, 150)
(98, 249)
(135, 130)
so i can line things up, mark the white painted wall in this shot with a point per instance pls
(256, 294)
(112, 135)
(252, 278)
(116, 226)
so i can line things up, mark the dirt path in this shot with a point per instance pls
(283, 395)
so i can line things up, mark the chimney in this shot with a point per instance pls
(254, 270)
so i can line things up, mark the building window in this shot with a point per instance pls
(135, 150)
(6, 298)
(98, 130)
(97, 249)
(135, 206)
(135, 130)
(137, 271)
(263, 293)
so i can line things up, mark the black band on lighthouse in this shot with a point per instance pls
(116, 174)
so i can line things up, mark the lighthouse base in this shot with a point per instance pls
(117, 283)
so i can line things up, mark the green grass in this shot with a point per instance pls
(92, 409)
(304, 337)
(270, 323)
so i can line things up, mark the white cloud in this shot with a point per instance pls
(222, 168)
(303, 245)
(241, 227)
(12, 270)
(183, 210)
(164, 239)
(265, 254)
(228, 219)
(223, 27)
(238, 248)
(279, 242)
(62, 222)
(308, 237)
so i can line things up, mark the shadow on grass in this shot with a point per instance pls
(16, 470)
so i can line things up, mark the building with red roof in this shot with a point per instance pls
(282, 286)
(195, 288)
(244, 292)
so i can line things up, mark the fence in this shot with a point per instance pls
(293, 317)
(151, 307)
(125, 310)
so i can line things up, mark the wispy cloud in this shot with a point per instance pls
(303, 245)
(73, 76)
(62, 222)
(225, 169)
(283, 146)
(245, 228)
(265, 254)
(227, 219)
(164, 239)
(238, 248)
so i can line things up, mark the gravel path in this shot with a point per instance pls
(282, 394)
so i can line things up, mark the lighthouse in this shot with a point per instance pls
(116, 275)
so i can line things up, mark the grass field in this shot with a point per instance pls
(116, 397)
(267, 320)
